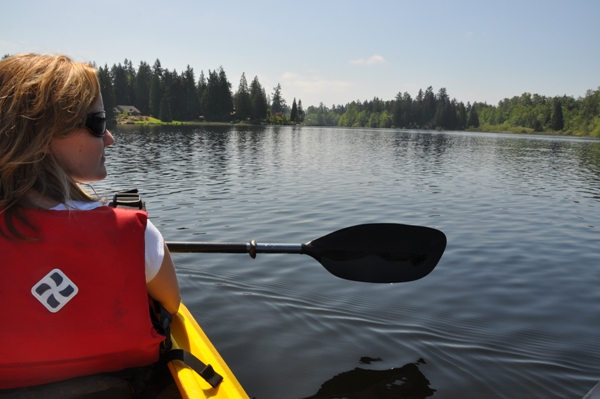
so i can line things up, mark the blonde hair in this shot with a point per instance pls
(41, 97)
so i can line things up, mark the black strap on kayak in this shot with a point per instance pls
(205, 371)
(161, 318)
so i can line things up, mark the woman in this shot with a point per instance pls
(76, 275)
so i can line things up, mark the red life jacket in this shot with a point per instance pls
(75, 303)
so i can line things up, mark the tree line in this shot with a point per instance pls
(168, 95)
(429, 110)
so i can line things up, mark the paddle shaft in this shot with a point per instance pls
(251, 248)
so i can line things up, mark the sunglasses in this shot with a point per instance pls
(96, 123)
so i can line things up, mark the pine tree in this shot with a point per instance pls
(156, 94)
(119, 78)
(277, 103)
(473, 118)
(210, 97)
(294, 113)
(157, 68)
(143, 80)
(429, 107)
(301, 113)
(192, 110)
(165, 109)
(200, 89)
(178, 101)
(418, 110)
(398, 112)
(558, 121)
(225, 97)
(243, 106)
(217, 100)
(131, 75)
(461, 121)
(107, 92)
(258, 101)
(167, 90)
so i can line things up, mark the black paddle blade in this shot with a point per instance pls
(379, 253)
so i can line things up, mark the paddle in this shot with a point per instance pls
(594, 393)
(374, 253)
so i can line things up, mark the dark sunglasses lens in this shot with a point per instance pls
(97, 124)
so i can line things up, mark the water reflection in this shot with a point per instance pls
(406, 382)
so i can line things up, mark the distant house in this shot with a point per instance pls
(130, 109)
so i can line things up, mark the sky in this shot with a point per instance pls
(333, 52)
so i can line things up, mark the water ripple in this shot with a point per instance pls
(511, 311)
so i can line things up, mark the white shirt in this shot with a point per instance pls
(154, 241)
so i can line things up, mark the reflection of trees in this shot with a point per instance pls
(551, 164)
(406, 382)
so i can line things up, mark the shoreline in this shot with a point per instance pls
(201, 123)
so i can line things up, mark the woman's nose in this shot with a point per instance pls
(108, 138)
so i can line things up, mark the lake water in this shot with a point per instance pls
(511, 311)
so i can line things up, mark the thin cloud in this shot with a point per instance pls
(314, 88)
(314, 84)
(376, 59)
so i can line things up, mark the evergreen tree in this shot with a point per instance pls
(131, 76)
(200, 89)
(461, 122)
(157, 68)
(397, 112)
(243, 105)
(225, 97)
(177, 98)
(258, 101)
(417, 110)
(167, 88)
(210, 97)
(165, 109)
(107, 92)
(301, 113)
(294, 112)
(277, 102)
(429, 107)
(192, 101)
(558, 122)
(143, 80)
(216, 99)
(156, 89)
(445, 115)
(119, 78)
(407, 110)
(473, 118)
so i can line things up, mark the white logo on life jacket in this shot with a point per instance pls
(54, 290)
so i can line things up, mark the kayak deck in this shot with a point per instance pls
(186, 334)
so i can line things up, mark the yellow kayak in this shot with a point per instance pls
(186, 334)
